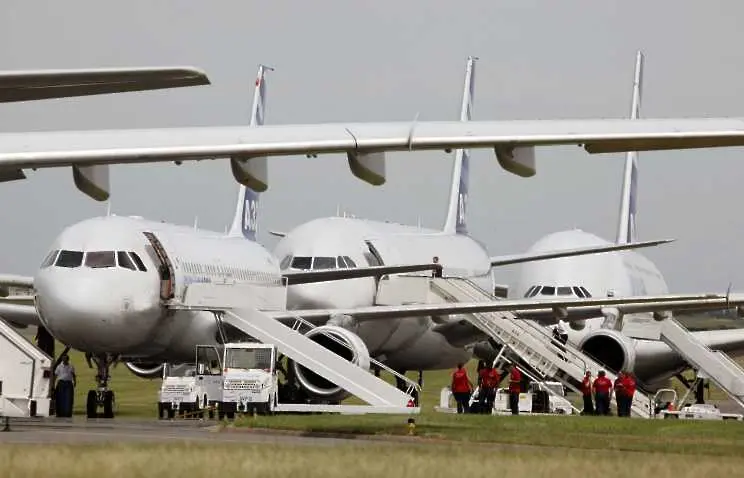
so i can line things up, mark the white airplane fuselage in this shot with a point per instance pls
(404, 343)
(624, 273)
(114, 309)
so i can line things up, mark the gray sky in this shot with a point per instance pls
(389, 60)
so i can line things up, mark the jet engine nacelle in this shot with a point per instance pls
(610, 348)
(146, 369)
(353, 349)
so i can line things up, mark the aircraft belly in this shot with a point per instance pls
(430, 351)
(385, 336)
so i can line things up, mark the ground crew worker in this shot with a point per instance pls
(66, 382)
(515, 388)
(490, 380)
(620, 394)
(461, 388)
(629, 385)
(438, 271)
(602, 389)
(586, 393)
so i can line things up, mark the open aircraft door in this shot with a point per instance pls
(166, 270)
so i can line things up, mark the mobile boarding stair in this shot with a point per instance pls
(25, 376)
(233, 305)
(719, 368)
(530, 342)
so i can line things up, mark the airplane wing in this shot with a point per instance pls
(521, 306)
(12, 280)
(323, 275)
(365, 144)
(45, 84)
(19, 314)
(539, 256)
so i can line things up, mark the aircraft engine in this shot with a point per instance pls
(610, 348)
(145, 369)
(353, 349)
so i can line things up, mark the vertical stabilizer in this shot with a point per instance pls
(246, 211)
(456, 221)
(626, 228)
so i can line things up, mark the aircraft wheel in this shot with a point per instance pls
(108, 404)
(91, 405)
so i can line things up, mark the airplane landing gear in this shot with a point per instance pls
(101, 397)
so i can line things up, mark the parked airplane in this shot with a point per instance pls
(110, 286)
(44, 84)
(90, 152)
(625, 273)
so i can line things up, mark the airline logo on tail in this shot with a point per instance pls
(249, 225)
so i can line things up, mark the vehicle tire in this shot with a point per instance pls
(91, 405)
(171, 413)
(230, 415)
(108, 404)
(161, 411)
(198, 411)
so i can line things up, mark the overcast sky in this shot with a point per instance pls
(389, 60)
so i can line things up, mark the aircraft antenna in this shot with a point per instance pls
(196, 222)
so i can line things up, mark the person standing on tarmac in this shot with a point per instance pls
(629, 387)
(602, 390)
(66, 383)
(489, 381)
(619, 388)
(438, 271)
(515, 388)
(586, 393)
(461, 387)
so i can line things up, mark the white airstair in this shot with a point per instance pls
(25, 376)
(233, 309)
(723, 371)
(529, 341)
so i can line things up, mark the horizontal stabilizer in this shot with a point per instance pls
(92, 180)
(45, 84)
(579, 251)
(278, 233)
(369, 167)
(323, 275)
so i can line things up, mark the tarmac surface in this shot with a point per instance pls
(55, 430)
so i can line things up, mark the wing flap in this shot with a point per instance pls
(18, 314)
(540, 256)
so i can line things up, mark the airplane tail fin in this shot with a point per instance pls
(456, 221)
(246, 211)
(626, 229)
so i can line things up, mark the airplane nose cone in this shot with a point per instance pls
(94, 312)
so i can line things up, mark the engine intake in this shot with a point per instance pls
(351, 348)
(145, 369)
(611, 349)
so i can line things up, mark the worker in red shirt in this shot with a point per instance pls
(461, 388)
(515, 388)
(602, 391)
(620, 394)
(629, 387)
(586, 393)
(489, 381)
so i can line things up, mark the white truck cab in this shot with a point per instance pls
(250, 381)
(190, 389)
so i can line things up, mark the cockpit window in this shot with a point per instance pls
(527, 294)
(324, 262)
(349, 263)
(586, 292)
(123, 260)
(49, 259)
(535, 291)
(578, 292)
(69, 259)
(302, 262)
(564, 291)
(138, 261)
(341, 263)
(548, 290)
(100, 259)
(285, 262)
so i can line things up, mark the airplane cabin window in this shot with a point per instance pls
(125, 261)
(302, 262)
(49, 259)
(586, 292)
(324, 263)
(138, 261)
(100, 259)
(564, 291)
(285, 262)
(69, 259)
(349, 263)
(548, 290)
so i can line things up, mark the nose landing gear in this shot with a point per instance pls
(101, 397)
